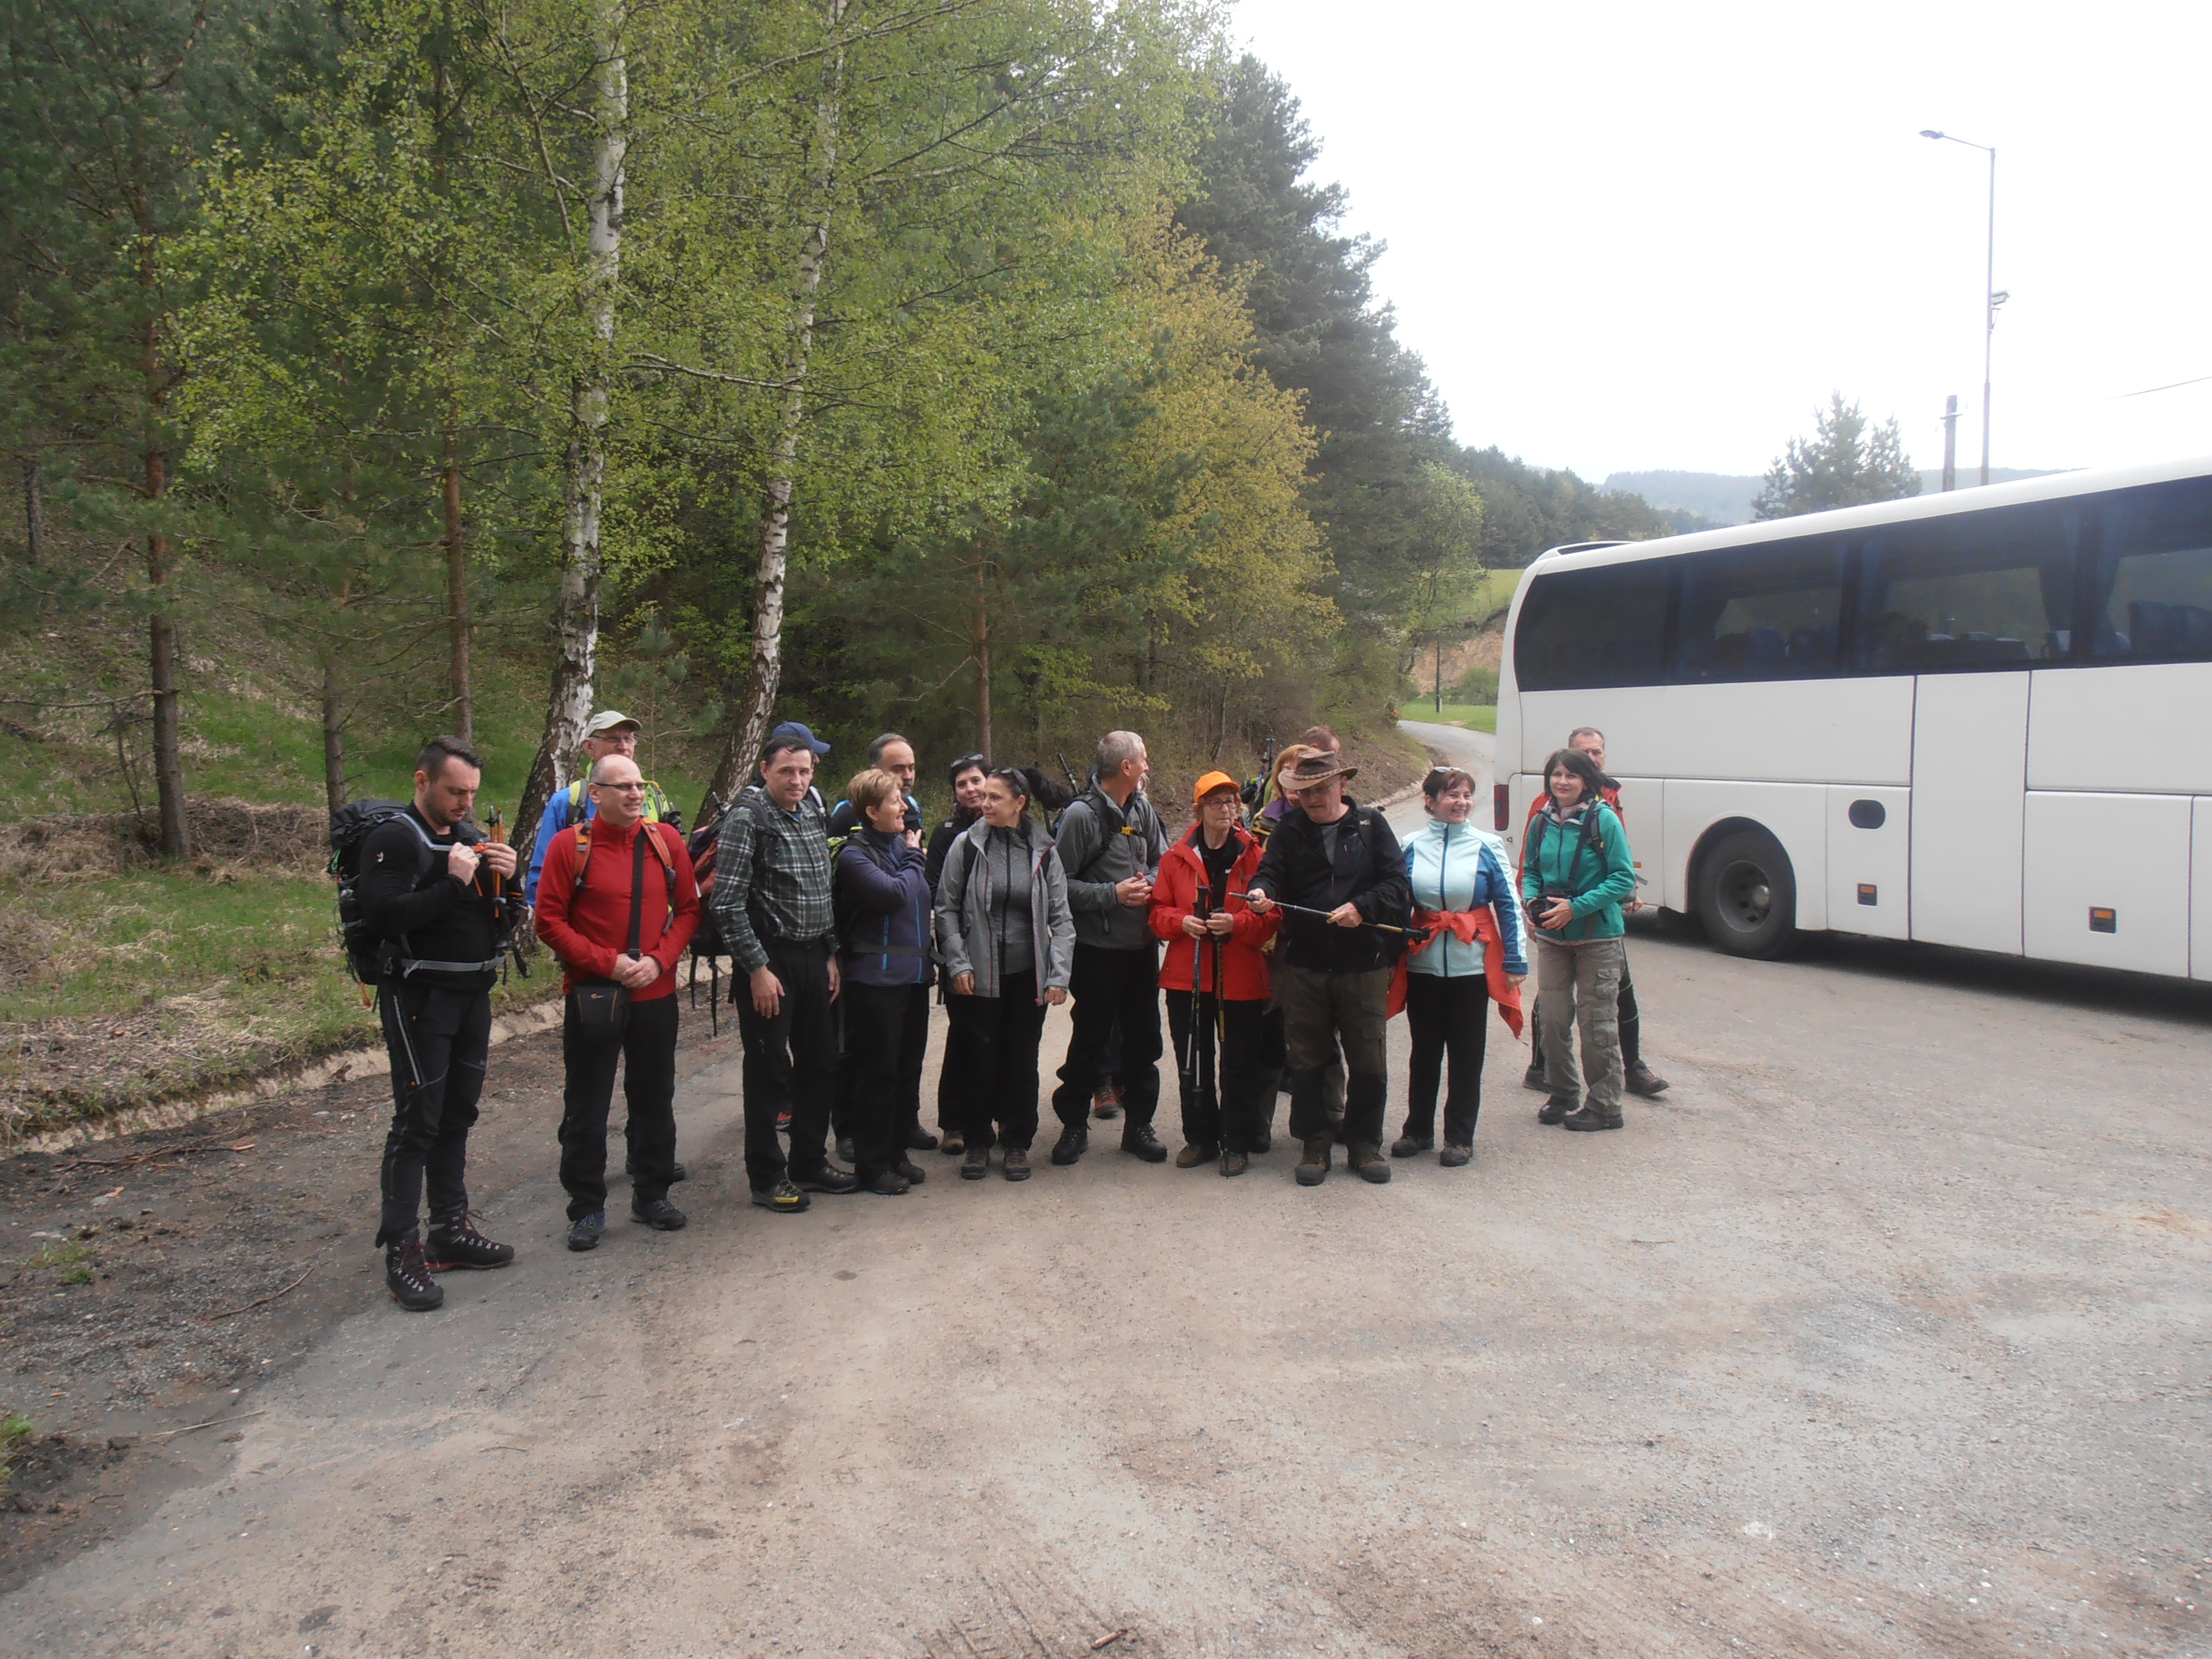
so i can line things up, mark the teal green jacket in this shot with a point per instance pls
(1604, 879)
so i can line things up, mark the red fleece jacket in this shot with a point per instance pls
(587, 930)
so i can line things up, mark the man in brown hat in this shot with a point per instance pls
(1339, 866)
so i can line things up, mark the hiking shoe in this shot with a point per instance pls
(845, 1150)
(1533, 1078)
(1107, 1102)
(409, 1280)
(584, 1231)
(1589, 1119)
(1411, 1145)
(913, 1171)
(1074, 1141)
(1366, 1161)
(1453, 1157)
(953, 1144)
(828, 1179)
(1195, 1154)
(976, 1164)
(888, 1183)
(1235, 1164)
(1018, 1163)
(783, 1121)
(675, 1171)
(458, 1244)
(919, 1139)
(783, 1198)
(658, 1214)
(1554, 1111)
(1643, 1080)
(1313, 1168)
(1138, 1139)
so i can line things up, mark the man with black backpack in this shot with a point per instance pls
(430, 892)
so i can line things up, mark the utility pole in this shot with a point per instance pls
(1950, 443)
(1992, 296)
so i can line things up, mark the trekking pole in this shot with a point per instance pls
(1308, 910)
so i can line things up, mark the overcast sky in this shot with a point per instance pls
(1636, 236)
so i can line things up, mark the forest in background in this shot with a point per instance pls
(994, 369)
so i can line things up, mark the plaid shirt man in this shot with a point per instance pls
(778, 862)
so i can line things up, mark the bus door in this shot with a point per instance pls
(1969, 795)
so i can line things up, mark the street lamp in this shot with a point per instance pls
(1991, 298)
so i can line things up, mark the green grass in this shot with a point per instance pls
(61, 1254)
(15, 1431)
(1476, 717)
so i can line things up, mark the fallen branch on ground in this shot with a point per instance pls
(263, 1302)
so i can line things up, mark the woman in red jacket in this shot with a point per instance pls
(1216, 979)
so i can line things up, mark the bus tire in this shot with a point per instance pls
(1747, 896)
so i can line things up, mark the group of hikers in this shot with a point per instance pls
(1281, 931)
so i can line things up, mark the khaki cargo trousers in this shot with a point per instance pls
(1579, 984)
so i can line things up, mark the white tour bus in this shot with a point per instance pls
(1981, 719)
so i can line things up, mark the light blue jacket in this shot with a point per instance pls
(1456, 867)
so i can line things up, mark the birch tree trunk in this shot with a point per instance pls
(463, 725)
(757, 704)
(576, 614)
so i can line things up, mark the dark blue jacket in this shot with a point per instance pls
(883, 931)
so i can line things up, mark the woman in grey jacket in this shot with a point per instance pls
(1007, 940)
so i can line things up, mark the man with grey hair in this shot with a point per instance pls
(1110, 841)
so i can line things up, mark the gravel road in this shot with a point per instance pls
(1884, 1333)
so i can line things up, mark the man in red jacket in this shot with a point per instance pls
(618, 903)
(1216, 980)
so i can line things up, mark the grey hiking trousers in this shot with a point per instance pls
(1579, 984)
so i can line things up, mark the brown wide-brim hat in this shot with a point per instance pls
(1313, 767)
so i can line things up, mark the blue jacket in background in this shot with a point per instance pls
(885, 936)
(1456, 867)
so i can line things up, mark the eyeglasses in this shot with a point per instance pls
(621, 788)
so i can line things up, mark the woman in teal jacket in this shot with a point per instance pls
(1576, 870)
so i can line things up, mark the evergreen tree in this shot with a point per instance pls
(1843, 463)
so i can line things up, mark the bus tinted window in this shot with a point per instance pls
(1584, 629)
(1761, 613)
(2150, 595)
(1979, 591)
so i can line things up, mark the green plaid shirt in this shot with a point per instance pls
(771, 878)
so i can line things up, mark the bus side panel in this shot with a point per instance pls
(2108, 880)
(1969, 791)
(1841, 730)
(1869, 863)
(2200, 890)
(1637, 722)
(2128, 726)
(1795, 814)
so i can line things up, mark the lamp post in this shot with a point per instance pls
(1991, 298)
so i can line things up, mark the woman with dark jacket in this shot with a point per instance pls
(883, 953)
(1007, 940)
(966, 775)
(1215, 976)
(1575, 871)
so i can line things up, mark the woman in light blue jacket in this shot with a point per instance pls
(1463, 889)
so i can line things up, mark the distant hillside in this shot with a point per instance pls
(1725, 498)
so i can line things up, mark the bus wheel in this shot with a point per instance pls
(1747, 896)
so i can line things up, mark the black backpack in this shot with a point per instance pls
(367, 956)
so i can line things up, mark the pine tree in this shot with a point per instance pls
(1843, 463)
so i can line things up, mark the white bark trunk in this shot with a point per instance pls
(576, 617)
(758, 705)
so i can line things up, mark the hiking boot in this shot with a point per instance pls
(783, 1121)
(782, 1199)
(845, 1150)
(1588, 1118)
(1018, 1163)
(919, 1139)
(1554, 1111)
(1265, 1144)
(1195, 1154)
(1336, 1131)
(1453, 1157)
(911, 1171)
(1533, 1078)
(1074, 1141)
(1366, 1161)
(827, 1179)
(658, 1214)
(976, 1164)
(953, 1144)
(584, 1231)
(458, 1244)
(1643, 1080)
(1107, 1102)
(889, 1183)
(1138, 1138)
(1313, 1168)
(675, 1171)
(409, 1280)
(1413, 1145)
(1235, 1164)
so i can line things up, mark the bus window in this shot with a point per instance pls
(2150, 597)
(1579, 629)
(1971, 591)
(1761, 613)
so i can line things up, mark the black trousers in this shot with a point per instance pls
(647, 1051)
(878, 1027)
(1228, 1089)
(438, 1041)
(952, 1074)
(792, 1057)
(1111, 986)
(997, 1039)
(913, 1044)
(1448, 1018)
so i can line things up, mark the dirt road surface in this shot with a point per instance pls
(1883, 1333)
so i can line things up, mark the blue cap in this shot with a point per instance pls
(794, 729)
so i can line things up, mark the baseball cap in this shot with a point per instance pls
(794, 729)
(606, 720)
(1206, 785)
